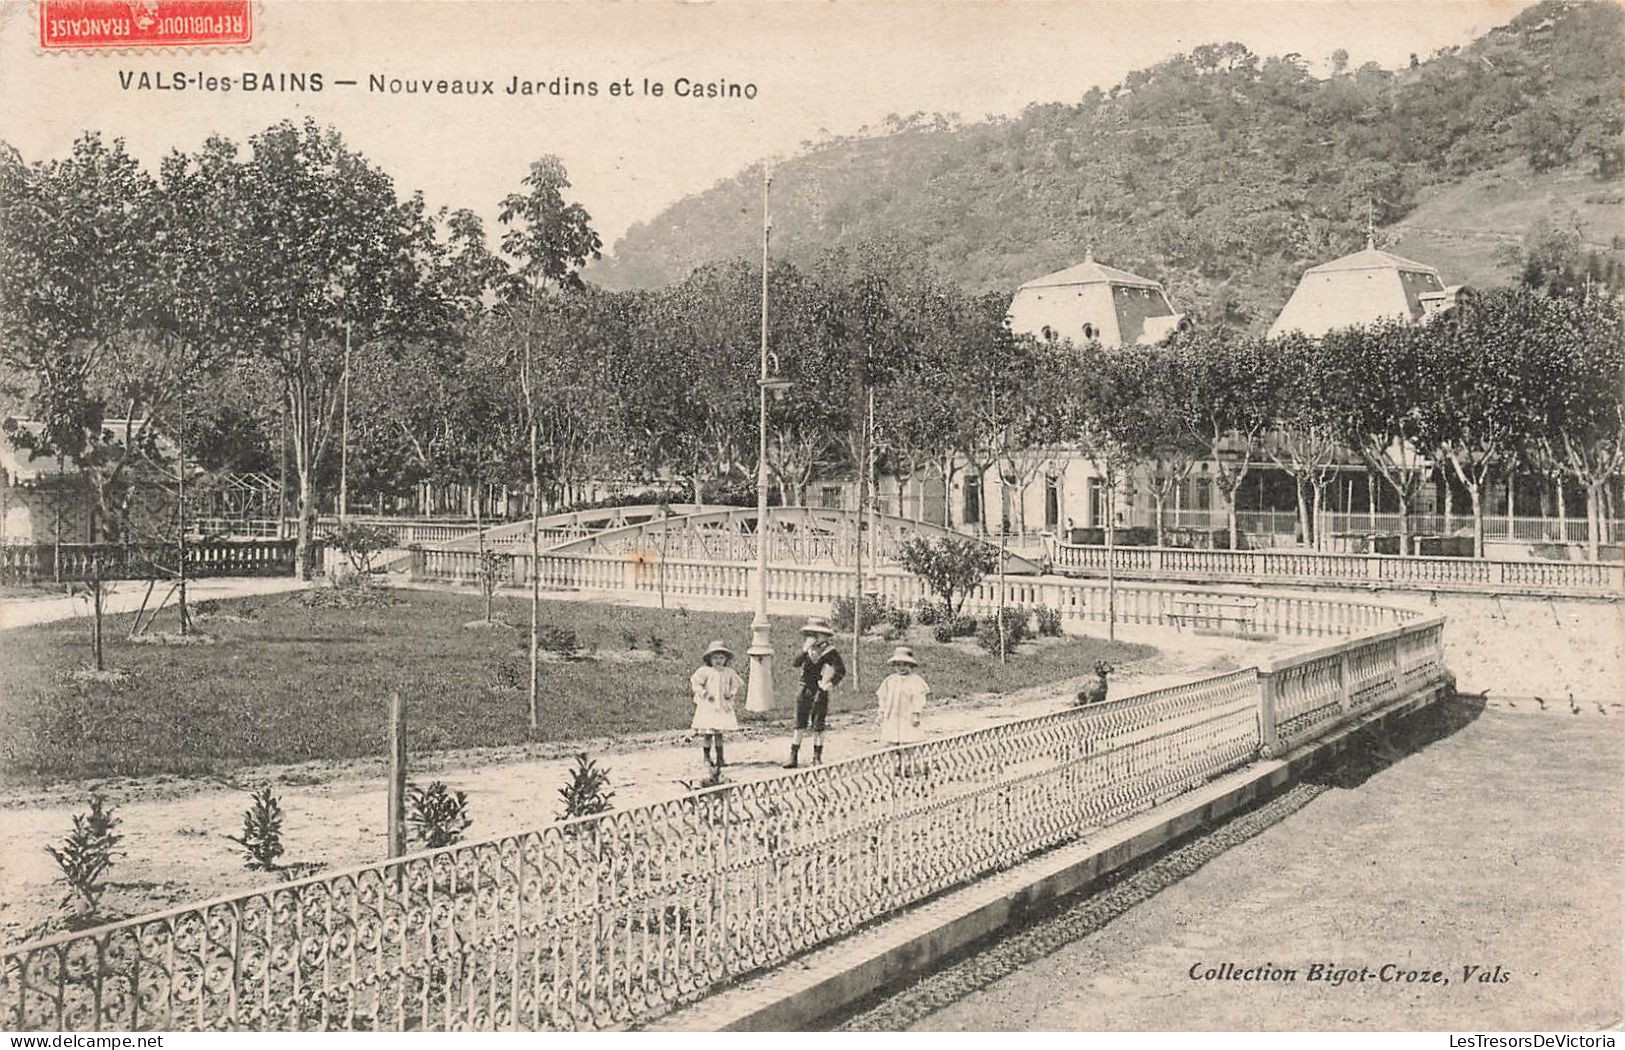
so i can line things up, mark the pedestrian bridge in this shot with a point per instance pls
(799, 535)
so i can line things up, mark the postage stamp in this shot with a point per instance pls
(68, 25)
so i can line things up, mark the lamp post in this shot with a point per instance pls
(759, 692)
(344, 435)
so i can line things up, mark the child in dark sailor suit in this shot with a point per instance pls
(821, 671)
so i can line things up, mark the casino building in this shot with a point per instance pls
(1060, 491)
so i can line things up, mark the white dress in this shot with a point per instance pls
(902, 699)
(715, 690)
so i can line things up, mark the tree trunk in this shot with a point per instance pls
(1562, 512)
(307, 514)
(1161, 497)
(1404, 522)
(96, 597)
(1593, 519)
(1316, 523)
(1371, 499)
(528, 382)
(1476, 495)
(1229, 492)
(1303, 511)
(486, 576)
(1449, 506)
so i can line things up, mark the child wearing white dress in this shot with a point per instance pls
(715, 686)
(902, 699)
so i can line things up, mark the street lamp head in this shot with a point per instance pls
(772, 382)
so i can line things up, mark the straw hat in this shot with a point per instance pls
(817, 625)
(903, 655)
(718, 647)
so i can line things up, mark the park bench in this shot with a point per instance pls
(1214, 611)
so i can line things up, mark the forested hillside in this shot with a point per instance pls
(1220, 172)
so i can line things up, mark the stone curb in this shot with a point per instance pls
(796, 994)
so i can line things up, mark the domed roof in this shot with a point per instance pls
(1092, 301)
(1367, 286)
(1090, 272)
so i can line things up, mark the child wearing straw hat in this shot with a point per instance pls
(902, 699)
(821, 671)
(715, 686)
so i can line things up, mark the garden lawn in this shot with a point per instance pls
(286, 683)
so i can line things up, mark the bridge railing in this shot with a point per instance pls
(1360, 570)
(1079, 599)
(405, 532)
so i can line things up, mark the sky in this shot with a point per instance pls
(818, 68)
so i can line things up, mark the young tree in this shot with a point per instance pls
(549, 240)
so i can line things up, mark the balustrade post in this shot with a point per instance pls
(1344, 698)
(1269, 744)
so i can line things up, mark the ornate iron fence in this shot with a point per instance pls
(607, 921)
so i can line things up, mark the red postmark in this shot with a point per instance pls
(77, 24)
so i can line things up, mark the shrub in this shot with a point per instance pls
(360, 543)
(262, 831)
(85, 856)
(1049, 621)
(347, 592)
(509, 676)
(1015, 630)
(949, 565)
(952, 627)
(583, 794)
(496, 568)
(438, 815)
(877, 609)
(930, 612)
(552, 638)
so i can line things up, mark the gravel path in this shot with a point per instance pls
(175, 847)
(126, 596)
(1459, 848)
